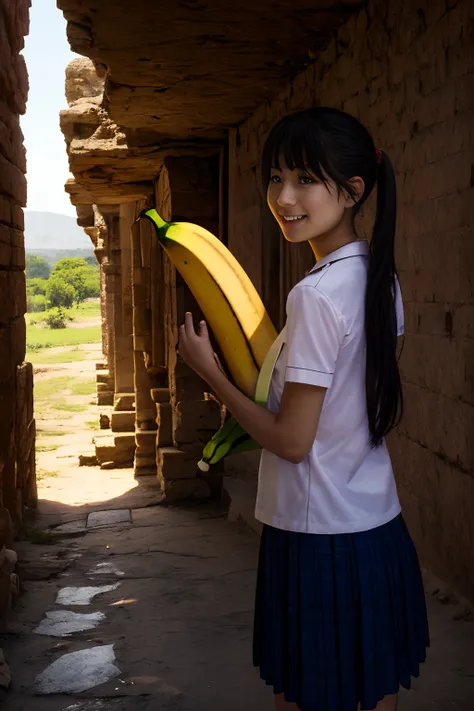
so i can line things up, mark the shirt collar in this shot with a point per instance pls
(353, 249)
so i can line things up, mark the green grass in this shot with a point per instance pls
(38, 338)
(44, 358)
(84, 312)
(70, 407)
(50, 433)
(46, 447)
(44, 474)
(50, 387)
(92, 424)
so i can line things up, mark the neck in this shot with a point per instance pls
(331, 241)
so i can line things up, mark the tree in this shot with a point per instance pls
(60, 292)
(37, 267)
(69, 263)
(35, 287)
(84, 278)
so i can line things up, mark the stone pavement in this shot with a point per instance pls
(137, 606)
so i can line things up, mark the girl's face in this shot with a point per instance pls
(304, 207)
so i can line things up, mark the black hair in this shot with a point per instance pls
(334, 146)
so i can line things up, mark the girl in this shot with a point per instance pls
(340, 619)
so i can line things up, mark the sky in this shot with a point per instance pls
(47, 54)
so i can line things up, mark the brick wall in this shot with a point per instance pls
(17, 468)
(407, 71)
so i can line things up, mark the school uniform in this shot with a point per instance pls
(340, 615)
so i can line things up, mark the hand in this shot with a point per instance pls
(196, 349)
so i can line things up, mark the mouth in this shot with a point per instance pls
(289, 219)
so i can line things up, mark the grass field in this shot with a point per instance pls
(40, 337)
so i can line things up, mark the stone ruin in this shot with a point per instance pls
(169, 107)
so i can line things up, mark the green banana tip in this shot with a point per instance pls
(160, 224)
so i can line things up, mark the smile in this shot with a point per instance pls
(294, 218)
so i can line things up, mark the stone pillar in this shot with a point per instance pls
(123, 307)
(118, 448)
(145, 408)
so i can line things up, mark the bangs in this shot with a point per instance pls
(296, 141)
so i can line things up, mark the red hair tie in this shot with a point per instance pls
(378, 153)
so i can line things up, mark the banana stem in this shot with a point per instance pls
(160, 224)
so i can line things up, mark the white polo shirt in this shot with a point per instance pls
(343, 485)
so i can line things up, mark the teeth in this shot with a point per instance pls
(293, 219)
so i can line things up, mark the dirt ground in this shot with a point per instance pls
(132, 605)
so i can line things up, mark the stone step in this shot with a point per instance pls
(102, 376)
(105, 398)
(116, 448)
(123, 421)
(101, 366)
(124, 401)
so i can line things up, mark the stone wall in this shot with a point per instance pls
(17, 427)
(17, 470)
(407, 71)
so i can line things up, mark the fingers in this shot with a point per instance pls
(189, 325)
(203, 332)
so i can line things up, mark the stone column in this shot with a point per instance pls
(145, 408)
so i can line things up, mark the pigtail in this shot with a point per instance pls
(383, 385)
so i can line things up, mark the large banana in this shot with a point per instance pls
(195, 252)
(236, 316)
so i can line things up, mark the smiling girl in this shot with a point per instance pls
(340, 618)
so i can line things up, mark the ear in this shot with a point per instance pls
(358, 188)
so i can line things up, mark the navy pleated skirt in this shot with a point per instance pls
(339, 619)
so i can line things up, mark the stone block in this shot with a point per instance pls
(123, 421)
(184, 489)
(175, 464)
(102, 376)
(105, 388)
(191, 418)
(105, 398)
(124, 401)
(146, 442)
(117, 449)
(164, 421)
(160, 395)
(124, 440)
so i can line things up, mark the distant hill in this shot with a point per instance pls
(54, 255)
(48, 230)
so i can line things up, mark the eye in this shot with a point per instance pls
(275, 179)
(306, 180)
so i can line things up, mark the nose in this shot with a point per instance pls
(286, 195)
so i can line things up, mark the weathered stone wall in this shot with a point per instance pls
(407, 71)
(17, 429)
(17, 426)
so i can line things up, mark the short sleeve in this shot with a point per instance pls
(399, 309)
(314, 334)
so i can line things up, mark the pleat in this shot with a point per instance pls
(339, 619)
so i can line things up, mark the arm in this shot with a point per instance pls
(290, 433)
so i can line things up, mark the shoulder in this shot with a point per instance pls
(342, 283)
(306, 301)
